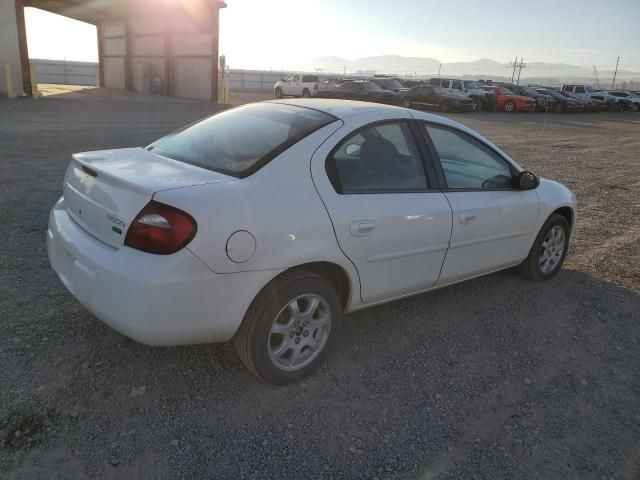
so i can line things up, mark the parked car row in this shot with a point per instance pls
(448, 94)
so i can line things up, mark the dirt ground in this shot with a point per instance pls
(496, 378)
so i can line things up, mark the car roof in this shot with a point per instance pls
(338, 108)
(343, 109)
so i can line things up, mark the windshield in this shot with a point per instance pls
(391, 84)
(553, 93)
(529, 91)
(505, 91)
(239, 141)
(371, 86)
(471, 84)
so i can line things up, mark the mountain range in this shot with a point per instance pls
(424, 66)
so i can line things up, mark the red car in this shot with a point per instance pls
(508, 101)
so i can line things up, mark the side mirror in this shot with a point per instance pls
(527, 181)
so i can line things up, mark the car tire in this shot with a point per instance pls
(559, 108)
(548, 251)
(279, 93)
(445, 107)
(406, 103)
(306, 93)
(268, 339)
(478, 103)
(509, 107)
(635, 107)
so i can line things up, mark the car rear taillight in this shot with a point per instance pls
(160, 229)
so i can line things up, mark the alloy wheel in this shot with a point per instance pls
(299, 332)
(552, 249)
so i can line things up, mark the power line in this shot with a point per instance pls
(520, 67)
(613, 82)
(514, 64)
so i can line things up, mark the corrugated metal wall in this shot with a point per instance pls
(113, 54)
(255, 80)
(171, 47)
(65, 72)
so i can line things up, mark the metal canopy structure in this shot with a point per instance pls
(97, 11)
(174, 42)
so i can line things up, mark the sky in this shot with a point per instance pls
(285, 33)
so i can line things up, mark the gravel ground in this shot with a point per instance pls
(494, 378)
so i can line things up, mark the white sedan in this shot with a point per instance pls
(265, 223)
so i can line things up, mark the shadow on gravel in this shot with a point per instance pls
(497, 377)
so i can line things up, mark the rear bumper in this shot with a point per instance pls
(154, 299)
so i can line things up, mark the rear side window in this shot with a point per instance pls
(309, 78)
(380, 158)
(239, 141)
(579, 90)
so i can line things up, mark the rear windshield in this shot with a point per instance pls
(239, 141)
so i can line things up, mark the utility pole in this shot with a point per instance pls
(520, 67)
(439, 68)
(615, 73)
(595, 71)
(514, 64)
(344, 70)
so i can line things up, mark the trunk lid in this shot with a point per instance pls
(105, 190)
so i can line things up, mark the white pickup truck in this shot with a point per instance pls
(297, 85)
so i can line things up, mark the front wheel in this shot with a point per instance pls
(306, 93)
(279, 93)
(289, 327)
(510, 107)
(548, 251)
(635, 107)
(478, 103)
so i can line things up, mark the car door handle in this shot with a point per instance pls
(361, 228)
(466, 217)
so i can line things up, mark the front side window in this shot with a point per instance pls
(579, 89)
(466, 162)
(238, 141)
(380, 158)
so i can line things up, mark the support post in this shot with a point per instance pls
(168, 64)
(25, 68)
(8, 77)
(100, 56)
(215, 34)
